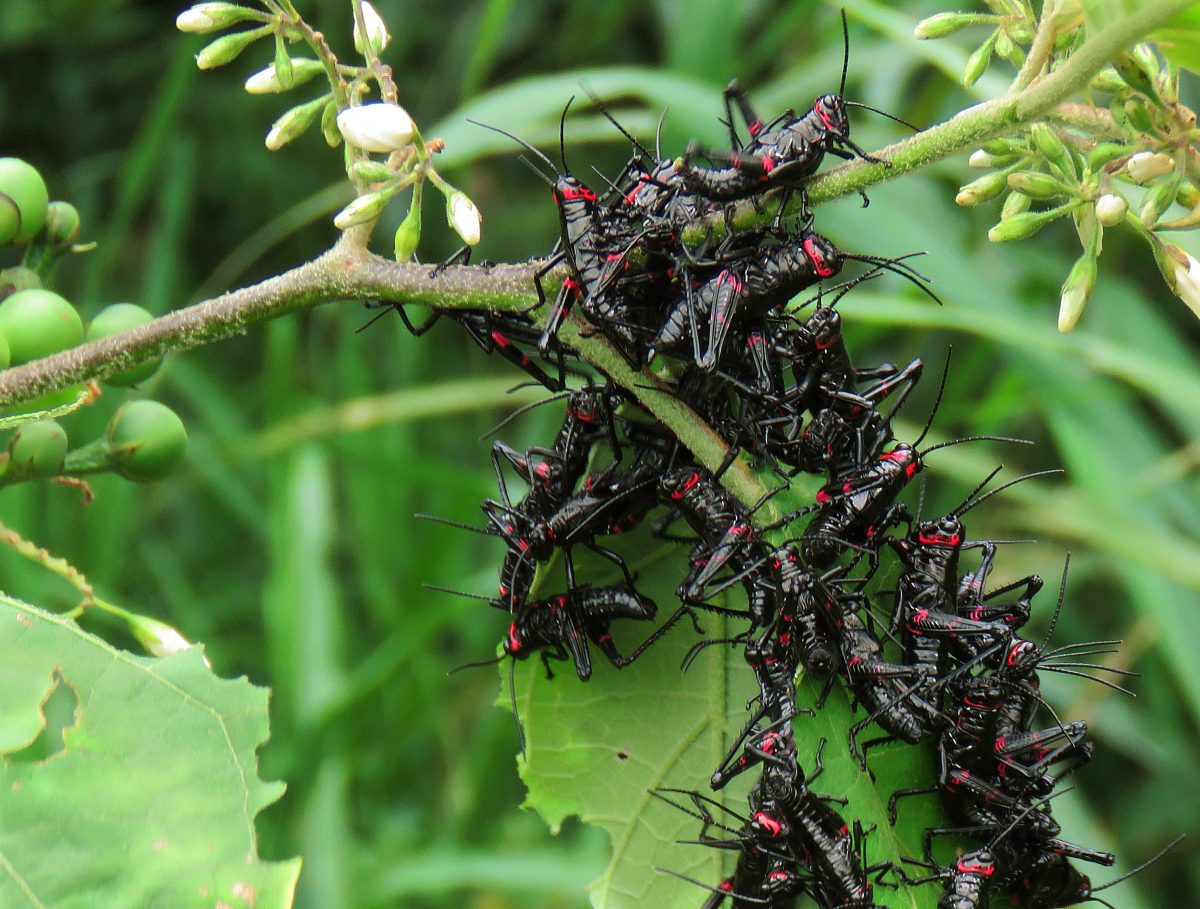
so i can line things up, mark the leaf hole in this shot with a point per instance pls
(622, 756)
(60, 709)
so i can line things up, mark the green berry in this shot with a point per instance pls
(37, 449)
(113, 320)
(5, 353)
(62, 224)
(23, 200)
(37, 323)
(146, 441)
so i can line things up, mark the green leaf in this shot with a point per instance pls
(1179, 39)
(150, 799)
(597, 750)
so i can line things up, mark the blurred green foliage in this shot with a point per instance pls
(288, 543)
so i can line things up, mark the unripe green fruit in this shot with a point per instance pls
(37, 449)
(23, 200)
(37, 323)
(113, 320)
(62, 224)
(146, 441)
(5, 353)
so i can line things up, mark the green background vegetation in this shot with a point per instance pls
(288, 543)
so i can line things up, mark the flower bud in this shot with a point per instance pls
(1023, 225)
(146, 441)
(1014, 204)
(329, 127)
(266, 81)
(1135, 74)
(1145, 166)
(293, 123)
(209, 17)
(986, 187)
(982, 160)
(284, 71)
(227, 48)
(23, 201)
(1047, 141)
(377, 33)
(1004, 45)
(159, 638)
(943, 24)
(1187, 284)
(408, 234)
(370, 171)
(377, 127)
(62, 224)
(464, 217)
(1036, 185)
(1157, 201)
(979, 59)
(363, 209)
(1110, 209)
(1188, 195)
(1020, 32)
(1180, 271)
(1104, 152)
(1005, 148)
(1108, 80)
(1077, 289)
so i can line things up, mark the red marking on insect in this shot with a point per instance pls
(499, 338)
(727, 886)
(828, 342)
(822, 495)
(823, 115)
(687, 486)
(976, 867)
(823, 268)
(514, 643)
(939, 539)
(756, 127)
(728, 277)
(1000, 743)
(582, 192)
(768, 823)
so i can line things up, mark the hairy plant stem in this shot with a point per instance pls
(349, 272)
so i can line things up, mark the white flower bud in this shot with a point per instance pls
(1146, 166)
(464, 217)
(364, 208)
(208, 17)
(159, 638)
(266, 81)
(378, 127)
(377, 32)
(1110, 209)
(982, 160)
(1187, 283)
